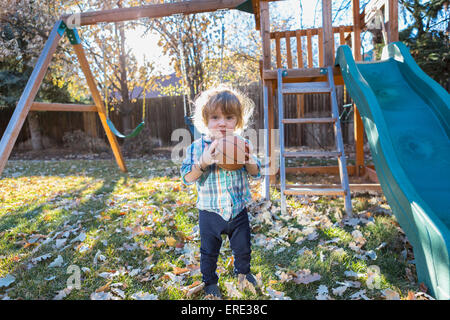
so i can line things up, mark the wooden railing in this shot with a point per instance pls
(312, 38)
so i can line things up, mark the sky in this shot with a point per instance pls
(146, 47)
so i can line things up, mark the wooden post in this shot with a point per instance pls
(288, 51)
(341, 36)
(393, 21)
(265, 33)
(309, 45)
(356, 43)
(300, 114)
(359, 141)
(278, 50)
(100, 106)
(28, 95)
(267, 65)
(320, 43)
(328, 37)
(299, 49)
(357, 121)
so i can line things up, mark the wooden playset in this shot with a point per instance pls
(296, 77)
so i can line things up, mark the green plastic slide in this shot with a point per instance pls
(406, 117)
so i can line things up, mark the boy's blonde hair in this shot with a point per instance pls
(229, 101)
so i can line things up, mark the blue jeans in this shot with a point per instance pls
(212, 226)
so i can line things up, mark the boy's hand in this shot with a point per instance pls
(209, 154)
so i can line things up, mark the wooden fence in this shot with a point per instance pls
(165, 114)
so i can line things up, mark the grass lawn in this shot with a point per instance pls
(81, 229)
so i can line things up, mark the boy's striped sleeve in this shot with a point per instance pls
(186, 165)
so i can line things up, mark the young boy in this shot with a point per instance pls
(222, 194)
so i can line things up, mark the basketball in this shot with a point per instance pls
(231, 153)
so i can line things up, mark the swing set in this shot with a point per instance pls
(68, 24)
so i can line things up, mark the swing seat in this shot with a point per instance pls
(133, 134)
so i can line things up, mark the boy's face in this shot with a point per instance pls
(221, 125)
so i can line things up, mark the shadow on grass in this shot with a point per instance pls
(19, 224)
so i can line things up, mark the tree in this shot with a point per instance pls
(24, 28)
(113, 63)
(427, 35)
(188, 39)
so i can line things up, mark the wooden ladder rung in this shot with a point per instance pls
(309, 120)
(314, 191)
(298, 154)
(306, 87)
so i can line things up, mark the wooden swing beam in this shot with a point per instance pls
(150, 11)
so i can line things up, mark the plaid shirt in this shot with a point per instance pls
(220, 191)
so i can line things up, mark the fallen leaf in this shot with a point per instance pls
(243, 284)
(40, 258)
(171, 242)
(276, 295)
(304, 276)
(81, 237)
(322, 293)
(28, 244)
(411, 296)
(159, 244)
(57, 262)
(101, 296)
(339, 290)
(194, 269)
(7, 280)
(104, 288)
(232, 291)
(390, 294)
(353, 274)
(177, 271)
(144, 296)
(194, 288)
(358, 295)
(63, 293)
(118, 292)
(423, 287)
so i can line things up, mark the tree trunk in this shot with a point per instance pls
(125, 114)
(35, 132)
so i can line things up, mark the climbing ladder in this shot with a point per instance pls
(327, 87)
